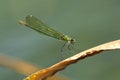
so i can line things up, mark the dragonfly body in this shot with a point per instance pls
(39, 26)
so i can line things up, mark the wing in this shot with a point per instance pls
(39, 26)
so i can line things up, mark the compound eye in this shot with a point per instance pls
(72, 41)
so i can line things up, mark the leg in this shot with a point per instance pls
(63, 47)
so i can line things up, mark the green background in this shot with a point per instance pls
(90, 22)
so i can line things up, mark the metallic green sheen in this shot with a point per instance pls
(39, 26)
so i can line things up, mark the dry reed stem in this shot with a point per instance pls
(23, 67)
(17, 64)
(48, 72)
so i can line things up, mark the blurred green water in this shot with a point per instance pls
(90, 22)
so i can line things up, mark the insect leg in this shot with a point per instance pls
(62, 48)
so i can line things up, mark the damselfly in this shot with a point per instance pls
(36, 24)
